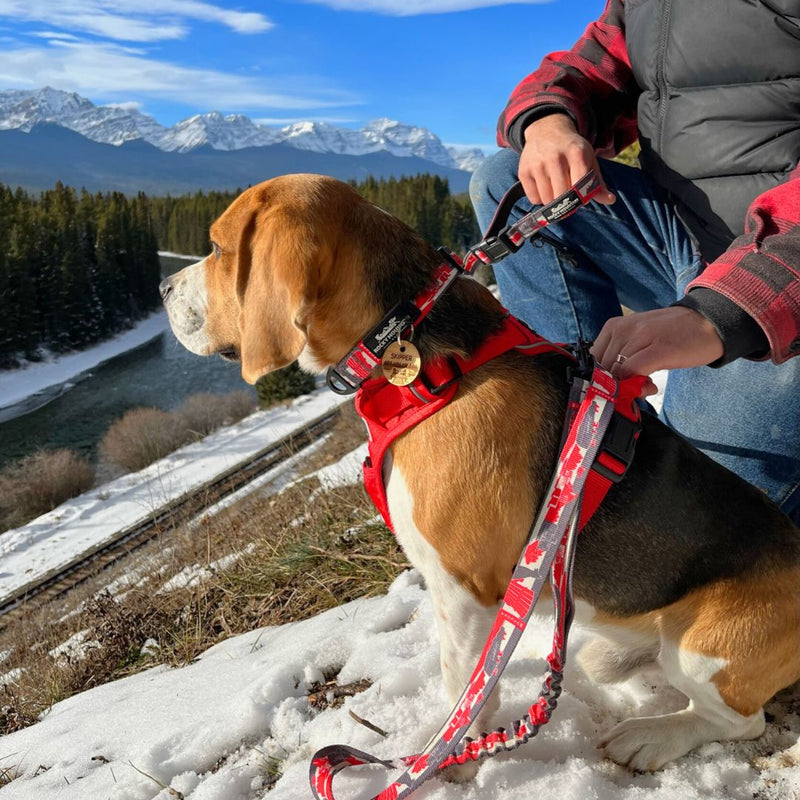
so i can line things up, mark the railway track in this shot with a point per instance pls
(179, 510)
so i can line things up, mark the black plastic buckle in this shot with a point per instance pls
(498, 247)
(584, 366)
(450, 257)
(619, 442)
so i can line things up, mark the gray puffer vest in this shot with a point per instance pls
(719, 112)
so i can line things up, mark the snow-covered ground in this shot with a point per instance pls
(31, 386)
(78, 526)
(224, 726)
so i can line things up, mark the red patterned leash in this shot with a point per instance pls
(550, 545)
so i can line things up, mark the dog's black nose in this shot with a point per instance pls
(165, 287)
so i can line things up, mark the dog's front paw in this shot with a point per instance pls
(647, 743)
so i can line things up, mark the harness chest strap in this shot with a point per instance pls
(389, 411)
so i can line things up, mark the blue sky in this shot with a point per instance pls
(448, 65)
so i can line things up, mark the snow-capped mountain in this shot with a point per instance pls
(115, 125)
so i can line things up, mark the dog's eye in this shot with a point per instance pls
(217, 250)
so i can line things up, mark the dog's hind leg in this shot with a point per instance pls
(607, 661)
(647, 743)
(728, 647)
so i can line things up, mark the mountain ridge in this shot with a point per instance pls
(115, 125)
(49, 152)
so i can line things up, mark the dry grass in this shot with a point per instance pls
(39, 482)
(144, 435)
(43, 480)
(296, 559)
(203, 413)
(140, 437)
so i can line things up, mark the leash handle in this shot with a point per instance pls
(502, 239)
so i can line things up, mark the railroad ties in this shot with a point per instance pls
(179, 510)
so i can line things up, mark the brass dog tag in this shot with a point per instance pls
(401, 363)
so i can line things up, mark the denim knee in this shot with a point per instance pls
(490, 181)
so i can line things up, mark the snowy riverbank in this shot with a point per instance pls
(30, 387)
(35, 384)
(80, 525)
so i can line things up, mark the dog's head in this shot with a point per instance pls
(301, 267)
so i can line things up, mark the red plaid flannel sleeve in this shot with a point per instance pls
(760, 272)
(592, 82)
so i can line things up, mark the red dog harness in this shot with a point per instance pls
(389, 411)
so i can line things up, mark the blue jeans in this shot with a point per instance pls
(637, 253)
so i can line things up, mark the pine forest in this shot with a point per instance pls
(76, 267)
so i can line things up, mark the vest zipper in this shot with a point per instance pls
(661, 79)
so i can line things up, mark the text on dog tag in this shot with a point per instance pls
(401, 363)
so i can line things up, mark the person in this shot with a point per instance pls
(712, 92)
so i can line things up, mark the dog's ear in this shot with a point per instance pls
(272, 287)
(300, 279)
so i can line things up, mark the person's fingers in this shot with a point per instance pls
(604, 196)
(560, 176)
(641, 361)
(606, 346)
(544, 184)
(600, 343)
(528, 181)
(624, 350)
(581, 159)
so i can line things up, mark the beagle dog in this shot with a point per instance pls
(684, 564)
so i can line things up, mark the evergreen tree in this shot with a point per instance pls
(77, 267)
(73, 268)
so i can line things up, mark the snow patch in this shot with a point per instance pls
(238, 720)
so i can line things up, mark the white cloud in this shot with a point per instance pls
(131, 20)
(127, 105)
(109, 72)
(411, 8)
(486, 147)
(55, 35)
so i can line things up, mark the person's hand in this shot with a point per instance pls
(667, 338)
(554, 158)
